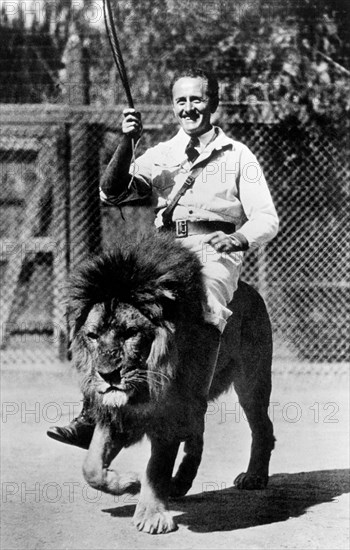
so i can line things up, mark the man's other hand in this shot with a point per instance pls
(227, 243)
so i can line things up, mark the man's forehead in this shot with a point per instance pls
(188, 85)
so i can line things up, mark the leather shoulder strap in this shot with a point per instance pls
(167, 215)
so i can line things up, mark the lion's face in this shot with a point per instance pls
(118, 341)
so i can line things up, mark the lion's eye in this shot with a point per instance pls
(92, 335)
(129, 333)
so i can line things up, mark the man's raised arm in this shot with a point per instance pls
(115, 180)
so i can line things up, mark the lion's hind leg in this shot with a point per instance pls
(254, 394)
(181, 483)
(103, 449)
(257, 474)
(253, 388)
(252, 382)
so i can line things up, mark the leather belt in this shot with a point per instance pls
(185, 228)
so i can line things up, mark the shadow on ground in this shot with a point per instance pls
(287, 495)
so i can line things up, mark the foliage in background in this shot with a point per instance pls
(278, 58)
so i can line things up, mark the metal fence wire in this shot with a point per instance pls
(51, 161)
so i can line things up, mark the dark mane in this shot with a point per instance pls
(156, 275)
(162, 280)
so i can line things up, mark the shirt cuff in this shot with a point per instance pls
(240, 241)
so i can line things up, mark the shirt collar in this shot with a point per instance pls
(178, 143)
(206, 138)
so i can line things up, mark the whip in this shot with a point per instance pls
(116, 51)
(118, 58)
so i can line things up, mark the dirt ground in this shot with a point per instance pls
(46, 504)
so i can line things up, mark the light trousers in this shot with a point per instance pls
(221, 272)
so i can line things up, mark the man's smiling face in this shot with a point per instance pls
(192, 105)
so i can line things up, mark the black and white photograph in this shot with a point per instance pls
(175, 289)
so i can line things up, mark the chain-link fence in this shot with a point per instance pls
(51, 161)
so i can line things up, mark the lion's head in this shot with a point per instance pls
(129, 310)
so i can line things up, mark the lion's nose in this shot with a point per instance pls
(112, 377)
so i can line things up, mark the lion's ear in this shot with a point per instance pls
(162, 360)
(76, 320)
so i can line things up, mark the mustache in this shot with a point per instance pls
(191, 114)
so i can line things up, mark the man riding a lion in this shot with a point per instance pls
(209, 193)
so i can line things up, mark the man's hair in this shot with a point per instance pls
(197, 72)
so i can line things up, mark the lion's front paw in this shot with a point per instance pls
(250, 481)
(153, 519)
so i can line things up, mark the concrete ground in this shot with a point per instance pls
(46, 504)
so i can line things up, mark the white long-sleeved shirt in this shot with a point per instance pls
(231, 186)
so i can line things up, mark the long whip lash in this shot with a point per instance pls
(116, 51)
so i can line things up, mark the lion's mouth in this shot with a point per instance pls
(125, 388)
(113, 388)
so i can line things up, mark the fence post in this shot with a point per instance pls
(60, 234)
(85, 216)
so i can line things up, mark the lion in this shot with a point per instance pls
(137, 316)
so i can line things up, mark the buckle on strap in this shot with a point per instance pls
(189, 181)
(181, 228)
